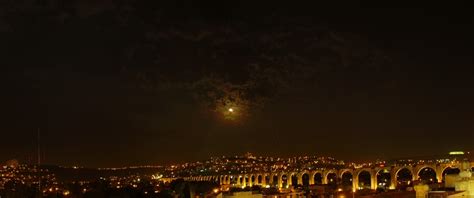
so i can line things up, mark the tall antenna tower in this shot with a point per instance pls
(39, 163)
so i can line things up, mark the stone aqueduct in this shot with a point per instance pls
(277, 178)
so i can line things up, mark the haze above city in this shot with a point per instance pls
(112, 84)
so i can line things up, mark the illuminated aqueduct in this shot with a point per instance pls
(325, 176)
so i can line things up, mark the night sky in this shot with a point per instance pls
(116, 83)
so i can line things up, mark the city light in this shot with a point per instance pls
(236, 99)
(456, 153)
(242, 171)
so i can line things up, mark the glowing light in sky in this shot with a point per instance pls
(233, 109)
(456, 153)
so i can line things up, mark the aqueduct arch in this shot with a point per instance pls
(259, 179)
(234, 179)
(293, 179)
(227, 179)
(326, 175)
(394, 175)
(449, 170)
(274, 179)
(246, 180)
(355, 178)
(284, 179)
(316, 177)
(387, 176)
(301, 180)
(241, 180)
(426, 167)
(343, 171)
(417, 169)
(266, 179)
(381, 178)
(347, 178)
